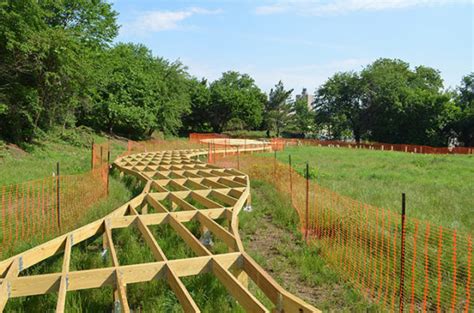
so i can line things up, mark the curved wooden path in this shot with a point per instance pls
(178, 188)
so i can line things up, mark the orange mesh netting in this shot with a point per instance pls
(363, 243)
(41, 209)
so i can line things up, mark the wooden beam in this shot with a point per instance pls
(224, 198)
(63, 285)
(235, 288)
(150, 240)
(181, 292)
(188, 237)
(12, 272)
(218, 230)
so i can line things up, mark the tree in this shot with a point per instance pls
(387, 102)
(197, 120)
(463, 124)
(137, 93)
(278, 109)
(405, 106)
(235, 101)
(341, 98)
(45, 49)
(303, 117)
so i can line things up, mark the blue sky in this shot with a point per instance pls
(302, 42)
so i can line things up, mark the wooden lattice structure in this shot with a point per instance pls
(195, 191)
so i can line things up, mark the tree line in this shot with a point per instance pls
(60, 68)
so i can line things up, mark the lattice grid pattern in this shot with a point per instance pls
(178, 189)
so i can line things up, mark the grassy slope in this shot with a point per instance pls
(304, 264)
(282, 252)
(18, 166)
(439, 188)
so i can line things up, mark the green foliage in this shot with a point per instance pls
(249, 134)
(278, 109)
(463, 110)
(339, 104)
(44, 51)
(303, 118)
(236, 103)
(137, 93)
(387, 102)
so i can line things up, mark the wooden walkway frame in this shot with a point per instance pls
(175, 176)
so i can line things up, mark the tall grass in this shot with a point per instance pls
(439, 188)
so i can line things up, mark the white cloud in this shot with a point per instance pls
(336, 7)
(156, 21)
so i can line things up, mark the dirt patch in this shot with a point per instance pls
(16, 151)
(274, 245)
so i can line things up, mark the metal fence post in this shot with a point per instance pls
(58, 198)
(274, 163)
(291, 178)
(307, 202)
(92, 155)
(208, 152)
(108, 168)
(402, 255)
(238, 158)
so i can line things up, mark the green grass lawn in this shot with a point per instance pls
(439, 188)
(18, 166)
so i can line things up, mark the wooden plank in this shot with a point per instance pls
(110, 244)
(156, 204)
(64, 275)
(181, 292)
(189, 238)
(281, 298)
(182, 203)
(235, 288)
(218, 230)
(205, 201)
(224, 198)
(150, 240)
(12, 272)
(121, 292)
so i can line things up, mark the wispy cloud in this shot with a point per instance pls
(337, 7)
(157, 21)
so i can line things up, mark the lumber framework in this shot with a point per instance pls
(178, 188)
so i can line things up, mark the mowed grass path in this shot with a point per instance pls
(439, 188)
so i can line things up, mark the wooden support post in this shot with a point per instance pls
(12, 272)
(63, 285)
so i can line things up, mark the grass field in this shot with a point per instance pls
(17, 166)
(297, 267)
(439, 188)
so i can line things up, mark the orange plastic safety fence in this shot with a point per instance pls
(100, 154)
(37, 210)
(159, 145)
(197, 137)
(363, 243)
(283, 142)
